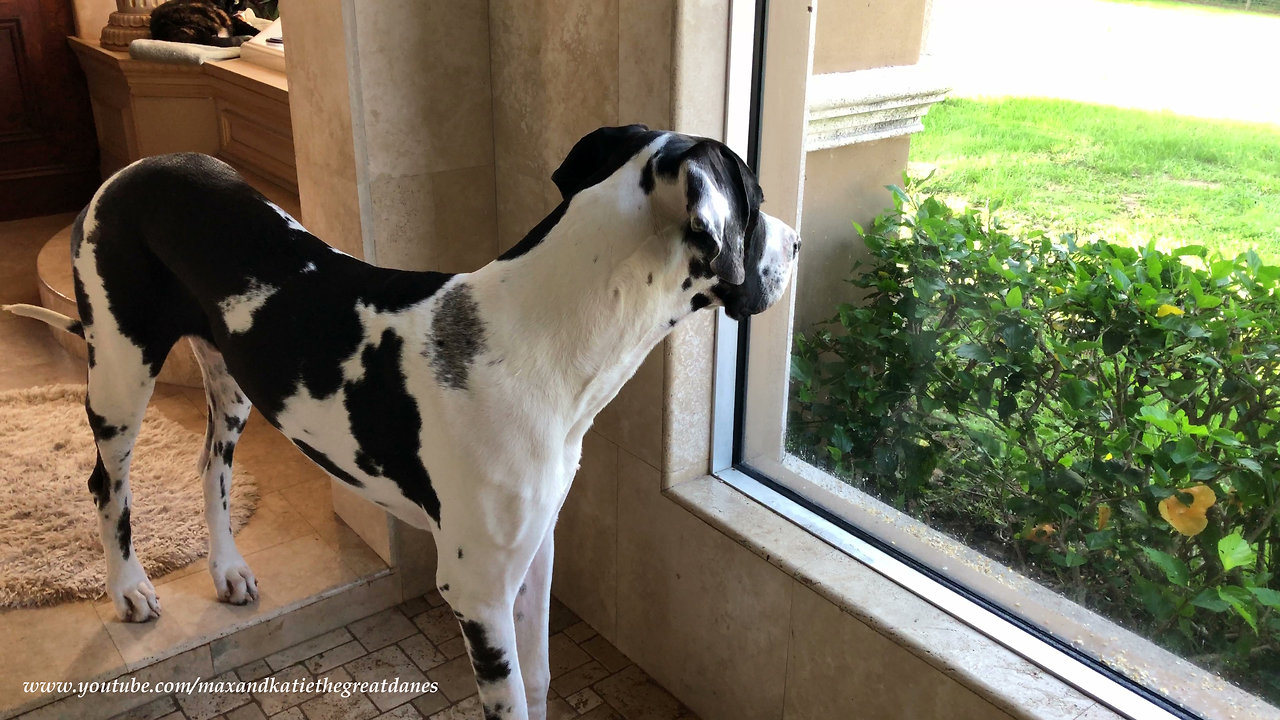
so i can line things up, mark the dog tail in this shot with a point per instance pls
(45, 315)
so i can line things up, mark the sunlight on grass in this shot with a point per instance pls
(1127, 175)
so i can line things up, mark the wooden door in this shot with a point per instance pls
(48, 151)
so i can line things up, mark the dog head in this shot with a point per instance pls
(705, 189)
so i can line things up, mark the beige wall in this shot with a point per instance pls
(857, 34)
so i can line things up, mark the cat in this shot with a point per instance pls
(205, 22)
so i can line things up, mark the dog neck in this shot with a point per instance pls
(592, 299)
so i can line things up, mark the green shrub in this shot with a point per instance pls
(1100, 417)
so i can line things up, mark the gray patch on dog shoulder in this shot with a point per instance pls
(457, 337)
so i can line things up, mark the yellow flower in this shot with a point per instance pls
(1108, 456)
(1190, 520)
(1169, 310)
(1104, 516)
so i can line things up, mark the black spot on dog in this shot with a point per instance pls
(650, 280)
(386, 425)
(236, 424)
(444, 588)
(671, 322)
(222, 484)
(76, 328)
(216, 448)
(688, 283)
(118, 486)
(99, 484)
(326, 464)
(524, 587)
(537, 234)
(595, 259)
(124, 534)
(699, 301)
(457, 614)
(224, 504)
(227, 451)
(489, 662)
(699, 268)
(495, 712)
(459, 553)
(457, 336)
(646, 177)
(102, 430)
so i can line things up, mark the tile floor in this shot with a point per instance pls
(419, 641)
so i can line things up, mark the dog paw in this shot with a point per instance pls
(133, 595)
(233, 580)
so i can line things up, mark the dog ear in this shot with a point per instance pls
(597, 155)
(722, 201)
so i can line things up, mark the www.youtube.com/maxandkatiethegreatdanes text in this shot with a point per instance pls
(271, 685)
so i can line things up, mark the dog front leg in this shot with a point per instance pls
(532, 610)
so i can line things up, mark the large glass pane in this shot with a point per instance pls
(1063, 347)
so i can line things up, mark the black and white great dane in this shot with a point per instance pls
(456, 402)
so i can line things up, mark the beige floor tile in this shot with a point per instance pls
(303, 650)
(576, 679)
(422, 652)
(635, 695)
(438, 624)
(404, 712)
(453, 647)
(380, 630)
(335, 657)
(155, 709)
(58, 643)
(565, 655)
(430, 703)
(334, 706)
(558, 709)
(294, 680)
(387, 664)
(468, 709)
(580, 632)
(583, 701)
(255, 670)
(606, 654)
(456, 678)
(250, 711)
(203, 706)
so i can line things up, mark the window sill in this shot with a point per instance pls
(792, 539)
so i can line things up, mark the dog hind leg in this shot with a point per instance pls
(228, 413)
(120, 385)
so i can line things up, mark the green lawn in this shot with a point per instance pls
(1127, 175)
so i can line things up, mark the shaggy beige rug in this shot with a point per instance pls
(49, 546)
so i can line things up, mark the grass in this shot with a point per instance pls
(1225, 6)
(1127, 175)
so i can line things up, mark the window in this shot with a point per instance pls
(1068, 440)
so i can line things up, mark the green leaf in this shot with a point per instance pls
(1209, 600)
(1173, 568)
(1013, 299)
(1234, 551)
(1266, 596)
(1238, 597)
(973, 351)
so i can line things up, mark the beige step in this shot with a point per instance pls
(57, 293)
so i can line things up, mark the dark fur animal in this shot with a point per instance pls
(204, 22)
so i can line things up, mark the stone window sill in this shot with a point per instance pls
(955, 648)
